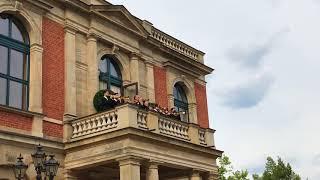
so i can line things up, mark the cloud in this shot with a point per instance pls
(249, 94)
(316, 160)
(252, 56)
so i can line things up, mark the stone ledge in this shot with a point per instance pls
(20, 111)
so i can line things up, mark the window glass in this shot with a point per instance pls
(3, 91)
(3, 60)
(4, 26)
(113, 71)
(15, 98)
(179, 93)
(16, 64)
(16, 34)
(103, 66)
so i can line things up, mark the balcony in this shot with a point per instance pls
(131, 116)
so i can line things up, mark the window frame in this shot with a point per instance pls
(180, 104)
(23, 47)
(106, 77)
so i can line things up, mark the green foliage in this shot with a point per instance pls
(277, 171)
(98, 100)
(226, 172)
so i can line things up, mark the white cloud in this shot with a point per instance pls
(248, 94)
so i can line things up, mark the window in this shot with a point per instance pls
(110, 75)
(181, 102)
(14, 63)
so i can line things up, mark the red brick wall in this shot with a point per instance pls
(160, 86)
(53, 69)
(202, 107)
(17, 121)
(52, 129)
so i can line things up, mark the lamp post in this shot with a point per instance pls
(48, 167)
(20, 168)
(39, 158)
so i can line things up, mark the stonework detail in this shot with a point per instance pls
(100, 122)
(142, 119)
(174, 44)
(174, 128)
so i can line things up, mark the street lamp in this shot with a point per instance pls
(39, 158)
(20, 168)
(48, 167)
(51, 166)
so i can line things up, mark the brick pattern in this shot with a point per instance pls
(160, 86)
(53, 69)
(52, 129)
(202, 107)
(16, 121)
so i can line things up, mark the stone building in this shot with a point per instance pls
(56, 54)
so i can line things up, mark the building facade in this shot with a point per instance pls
(55, 55)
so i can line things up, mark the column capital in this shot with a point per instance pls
(135, 55)
(129, 161)
(92, 37)
(71, 30)
(149, 63)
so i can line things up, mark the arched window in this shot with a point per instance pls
(14, 63)
(110, 75)
(181, 102)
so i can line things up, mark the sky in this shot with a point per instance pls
(263, 96)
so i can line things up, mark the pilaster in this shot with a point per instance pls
(93, 74)
(134, 68)
(70, 71)
(35, 97)
(150, 81)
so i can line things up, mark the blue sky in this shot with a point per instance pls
(264, 92)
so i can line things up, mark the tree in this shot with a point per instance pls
(277, 171)
(226, 172)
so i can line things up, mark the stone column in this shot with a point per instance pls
(35, 97)
(70, 71)
(195, 176)
(93, 73)
(129, 169)
(152, 172)
(150, 81)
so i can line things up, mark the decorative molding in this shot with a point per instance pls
(51, 120)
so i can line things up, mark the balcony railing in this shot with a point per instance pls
(128, 115)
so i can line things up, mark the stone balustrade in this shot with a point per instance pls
(94, 124)
(128, 115)
(202, 136)
(174, 128)
(175, 44)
